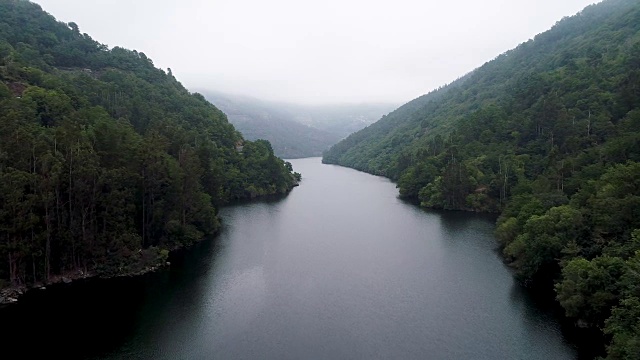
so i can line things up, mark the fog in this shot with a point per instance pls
(316, 52)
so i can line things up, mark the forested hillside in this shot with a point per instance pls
(107, 162)
(548, 134)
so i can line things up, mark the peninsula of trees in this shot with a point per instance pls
(547, 134)
(107, 162)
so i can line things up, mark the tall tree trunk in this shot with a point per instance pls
(12, 275)
(47, 249)
(144, 208)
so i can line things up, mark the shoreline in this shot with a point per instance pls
(12, 294)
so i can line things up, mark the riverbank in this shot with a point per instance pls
(588, 337)
(12, 294)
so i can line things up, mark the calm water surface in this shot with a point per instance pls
(339, 269)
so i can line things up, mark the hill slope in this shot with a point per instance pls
(549, 135)
(105, 161)
(256, 119)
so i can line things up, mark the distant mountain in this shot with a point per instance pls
(260, 120)
(341, 119)
(295, 131)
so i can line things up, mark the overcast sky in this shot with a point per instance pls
(324, 51)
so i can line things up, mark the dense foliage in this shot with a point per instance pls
(106, 162)
(549, 135)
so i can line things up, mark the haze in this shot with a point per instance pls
(316, 52)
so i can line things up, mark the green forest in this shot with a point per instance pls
(106, 162)
(548, 136)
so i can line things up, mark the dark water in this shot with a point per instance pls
(339, 269)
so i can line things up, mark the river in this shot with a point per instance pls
(338, 269)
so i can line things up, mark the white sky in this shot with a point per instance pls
(325, 51)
